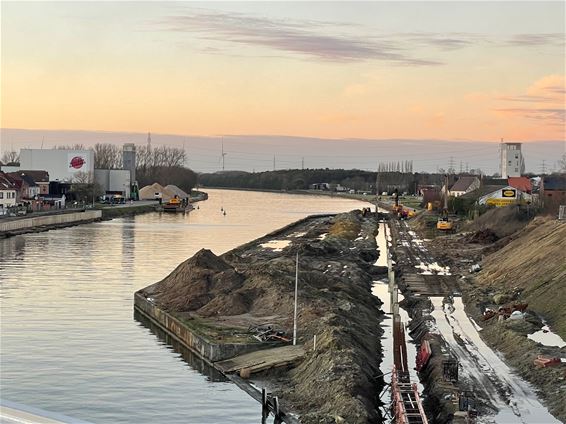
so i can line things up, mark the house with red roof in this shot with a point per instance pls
(521, 183)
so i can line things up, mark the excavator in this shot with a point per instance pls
(444, 223)
(398, 209)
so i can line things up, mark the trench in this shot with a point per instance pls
(380, 289)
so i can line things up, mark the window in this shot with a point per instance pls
(516, 169)
(2, 195)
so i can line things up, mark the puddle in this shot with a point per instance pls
(546, 337)
(433, 268)
(380, 289)
(276, 245)
(480, 364)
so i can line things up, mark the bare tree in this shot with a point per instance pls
(82, 177)
(10, 157)
(77, 146)
(107, 156)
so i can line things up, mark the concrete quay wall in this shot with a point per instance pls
(24, 225)
(211, 352)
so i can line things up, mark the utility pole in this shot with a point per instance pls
(303, 163)
(543, 167)
(274, 162)
(377, 182)
(467, 168)
(461, 168)
(223, 154)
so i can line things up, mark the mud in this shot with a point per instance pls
(523, 267)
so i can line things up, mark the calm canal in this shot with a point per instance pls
(69, 340)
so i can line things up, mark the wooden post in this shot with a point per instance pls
(278, 418)
(264, 406)
(394, 300)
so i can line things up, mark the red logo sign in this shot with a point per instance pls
(77, 162)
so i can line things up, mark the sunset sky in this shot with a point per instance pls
(333, 70)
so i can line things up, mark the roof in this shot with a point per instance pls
(482, 191)
(37, 176)
(28, 179)
(520, 183)
(464, 183)
(18, 177)
(554, 182)
(5, 183)
(494, 181)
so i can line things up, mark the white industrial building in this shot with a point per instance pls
(113, 180)
(512, 162)
(61, 164)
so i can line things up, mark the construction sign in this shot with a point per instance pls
(503, 197)
(494, 201)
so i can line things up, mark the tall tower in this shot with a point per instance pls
(512, 162)
(129, 160)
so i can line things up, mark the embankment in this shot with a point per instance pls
(532, 266)
(40, 223)
(120, 211)
(221, 297)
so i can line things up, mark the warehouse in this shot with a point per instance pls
(60, 164)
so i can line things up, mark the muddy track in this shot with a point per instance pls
(433, 296)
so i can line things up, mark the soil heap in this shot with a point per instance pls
(254, 285)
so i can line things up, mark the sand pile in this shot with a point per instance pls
(148, 192)
(196, 282)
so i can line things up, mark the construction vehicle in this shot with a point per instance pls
(444, 223)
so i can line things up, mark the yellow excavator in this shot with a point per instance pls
(444, 223)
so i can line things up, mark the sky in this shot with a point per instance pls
(446, 71)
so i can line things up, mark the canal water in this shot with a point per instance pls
(69, 340)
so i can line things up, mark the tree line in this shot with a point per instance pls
(301, 179)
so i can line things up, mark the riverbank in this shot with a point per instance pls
(45, 222)
(219, 298)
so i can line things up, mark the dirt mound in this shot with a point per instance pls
(485, 236)
(336, 382)
(196, 282)
(502, 221)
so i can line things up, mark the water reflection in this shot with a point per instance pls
(193, 360)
